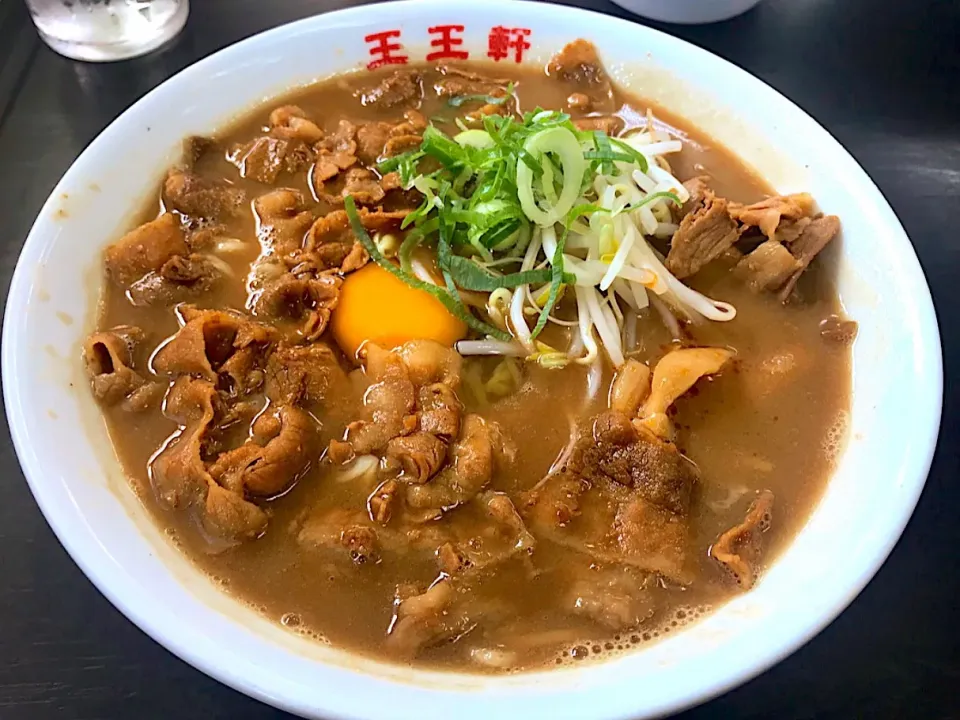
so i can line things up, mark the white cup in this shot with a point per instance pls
(687, 11)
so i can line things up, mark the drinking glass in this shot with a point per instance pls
(102, 30)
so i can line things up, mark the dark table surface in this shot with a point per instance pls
(883, 76)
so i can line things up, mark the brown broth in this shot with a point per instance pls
(767, 425)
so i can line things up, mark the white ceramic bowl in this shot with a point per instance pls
(688, 11)
(67, 459)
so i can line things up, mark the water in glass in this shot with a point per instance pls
(99, 30)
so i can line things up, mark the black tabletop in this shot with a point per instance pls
(883, 76)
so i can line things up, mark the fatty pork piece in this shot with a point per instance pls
(476, 536)
(287, 147)
(304, 374)
(616, 597)
(401, 89)
(633, 393)
(300, 305)
(191, 469)
(452, 516)
(739, 549)
(155, 266)
(578, 65)
(224, 347)
(200, 198)
(399, 381)
(444, 612)
(473, 459)
(108, 357)
(461, 600)
(706, 231)
(793, 234)
(180, 476)
(623, 495)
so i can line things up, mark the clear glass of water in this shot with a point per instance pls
(103, 30)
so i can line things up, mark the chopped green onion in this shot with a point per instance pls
(407, 247)
(530, 161)
(471, 276)
(441, 147)
(479, 139)
(458, 100)
(636, 156)
(607, 157)
(557, 278)
(564, 144)
(393, 163)
(665, 194)
(604, 151)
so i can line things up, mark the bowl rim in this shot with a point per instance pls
(91, 557)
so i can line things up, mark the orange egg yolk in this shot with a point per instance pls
(376, 306)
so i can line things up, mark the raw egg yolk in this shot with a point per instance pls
(376, 306)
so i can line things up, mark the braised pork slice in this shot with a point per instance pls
(287, 147)
(342, 530)
(447, 610)
(396, 380)
(815, 237)
(371, 140)
(622, 496)
(439, 613)
(266, 157)
(630, 387)
(402, 88)
(618, 598)
(474, 458)
(795, 234)
(302, 303)
(379, 139)
(283, 220)
(108, 359)
(283, 443)
(331, 243)
(179, 279)
(145, 249)
(705, 232)
(675, 373)
(768, 267)
(179, 473)
(768, 214)
(304, 374)
(479, 535)
(202, 198)
(293, 123)
(579, 65)
(439, 409)
(222, 346)
(390, 397)
(458, 82)
(740, 548)
(417, 456)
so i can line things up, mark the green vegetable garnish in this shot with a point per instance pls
(458, 100)
(634, 155)
(485, 188)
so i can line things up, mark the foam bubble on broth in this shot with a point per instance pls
(836, 436)
(681, 617)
